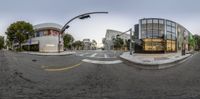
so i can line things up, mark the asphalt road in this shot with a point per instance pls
(24, 76)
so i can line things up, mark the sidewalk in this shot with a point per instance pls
(51, 54)
(154, 61)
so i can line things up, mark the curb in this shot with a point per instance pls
(158, 66)
(38, 54)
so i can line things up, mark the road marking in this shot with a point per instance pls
(101, 62)
(66, 68)
(93, 55)
(83, 54)
(105, 56)
(43, 66)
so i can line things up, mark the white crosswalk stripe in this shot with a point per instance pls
(83, 54)
(93, 55)
(105, 56)
(102, 62)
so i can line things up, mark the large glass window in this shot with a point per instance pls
(152, 28)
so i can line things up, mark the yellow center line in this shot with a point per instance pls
(66, 68)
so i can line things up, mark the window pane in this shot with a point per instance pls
(149, 33)
(155, 26)
(155, 35)
(149, 21)
(169, 28)
(173, 30)
(173, 24)
(173, 36)
(168, 23)
(149, 26)
(169, 36)
(161, 21)
(155, 21)
(143, 21)
(143, 34)
(143, 26)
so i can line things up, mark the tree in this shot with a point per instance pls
(1, 42)
(191, 41)
(68, 40)
(78, 45)
(118, 43)
(19, 31)
(94, 43)
(127, 44)
(197, 41)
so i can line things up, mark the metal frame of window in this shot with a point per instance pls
(145, 26)
(171, 32)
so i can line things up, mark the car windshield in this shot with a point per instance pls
(99, 49)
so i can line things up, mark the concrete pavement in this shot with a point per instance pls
(25, 76)
(155, 61)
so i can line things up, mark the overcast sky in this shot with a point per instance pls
(123, 14)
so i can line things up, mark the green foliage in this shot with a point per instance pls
(78, 45)
(94, 42)
(118, 43)
(197, 41)
(127, 42)
(68, 40)
(19, 31)
(1, 42)
(191, 41)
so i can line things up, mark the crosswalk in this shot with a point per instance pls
(96, 55)
(99, 57)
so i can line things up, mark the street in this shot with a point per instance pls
(93, 75)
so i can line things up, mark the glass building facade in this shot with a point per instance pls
(159, 35)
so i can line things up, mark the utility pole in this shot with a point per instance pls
(131, 40)
(131, 50)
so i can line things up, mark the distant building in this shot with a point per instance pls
(161, 35)
(87, 44)
(110, 35)
(45, 38)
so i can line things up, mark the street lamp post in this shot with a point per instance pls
(29, 40)
(66, 26)
(131, 50)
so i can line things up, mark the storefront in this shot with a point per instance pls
(160, 35)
